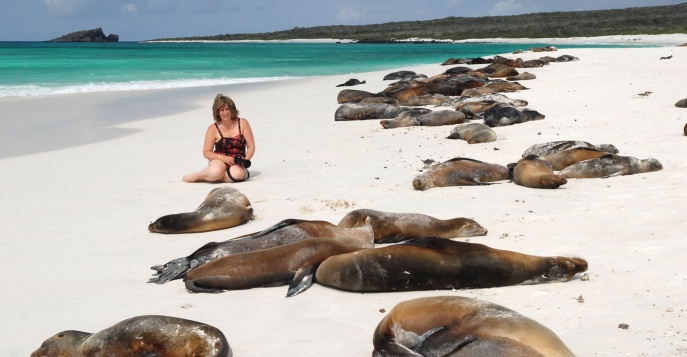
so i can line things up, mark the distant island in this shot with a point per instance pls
(648, 20)
(95, 35)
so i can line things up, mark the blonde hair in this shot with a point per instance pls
(220, 101)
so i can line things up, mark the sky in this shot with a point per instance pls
(137, 20)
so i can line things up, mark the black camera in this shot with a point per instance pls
(243, 162)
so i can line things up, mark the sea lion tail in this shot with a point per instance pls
(175, 269)
(301, 281)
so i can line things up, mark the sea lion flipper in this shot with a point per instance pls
(301, 281)
(175, 269)
(445, 339)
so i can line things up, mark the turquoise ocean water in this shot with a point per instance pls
(45, 68)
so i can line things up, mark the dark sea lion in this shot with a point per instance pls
(292, 264)
(534, 64)
(445, 326)
(685, 129)
(224, 207)
(558, 146)
(353, 96)
(400, 75)
(431, 118)
(610, 165)
(437, 263)
(452, 85)
(504, 115)
(535, 173)
(682, 103)
(524, 76)
(473, 109)
(566, 58)
(460, 172)
(473, 133)
(151, 335)
(391, 227)
(365, 111)
(458, 70)
(415, 89)
(565, 158)
(351, 82)
(284, 232)
(379, 100)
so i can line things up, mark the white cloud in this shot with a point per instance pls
(508, 7)
(129, 8)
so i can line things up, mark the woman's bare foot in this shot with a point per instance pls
(188, 178)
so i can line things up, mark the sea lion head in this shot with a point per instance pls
(422, 182)
(564, 268)
(649, 165)
(63, 344)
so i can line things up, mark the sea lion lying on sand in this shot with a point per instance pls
(535, 173)
(446, 326)
(460, 172)
(565, 158)
(351, 82)
(430, 118)
(365, 111)
(557, 146)
(503, 115)
(610, 165)
(473, 133)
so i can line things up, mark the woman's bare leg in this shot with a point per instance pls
(216, 171)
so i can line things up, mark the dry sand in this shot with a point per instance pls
(83, 175)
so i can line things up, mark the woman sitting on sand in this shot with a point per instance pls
(232, 140)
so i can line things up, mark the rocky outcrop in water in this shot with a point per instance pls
(95, 35)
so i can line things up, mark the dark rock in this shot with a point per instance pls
(95, 35)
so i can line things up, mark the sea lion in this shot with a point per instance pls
(351, 82)
(479, 91)
(149, 335)
(558, 146)
(224, 207)
(390, 227)
(504, 115)
(430, 118)
(566, 58)
(491, 97)
(379, 100)
(685, 129)
(524, 76)
(610, 165)
(565, 158)
(682, 103)
(403, 91)
(353, 96)
(535, 173)
(446, 326)
(458, 70)
(292, 264)
(473, 133)
(400, 75)
(534, 64)
(504, 72)
(427, 99)
(436, 263)
(284, 232)
(504, 86)
(460, 172)
(452, 85)
(365, 111)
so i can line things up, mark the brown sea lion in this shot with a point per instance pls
(427, 99)
(391, 227)
(558, 146)
(535, 173)
(682, 103)
(351, 82)
(224, 207)
(353, 96)
(379, 100)
(610, 165)
(504, 115)
(149, 335)
(430, 118)
(460, 172)
(479, 91)
(534, 64)
(437, 263)
(504, 86)
(445, 326)
(452, 85)
(473, 133)
(504, 72)
(292, 264)
(565, 158)
(365, 111)
(403, 92)
(284, 232)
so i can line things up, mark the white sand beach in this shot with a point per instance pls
(83, 175)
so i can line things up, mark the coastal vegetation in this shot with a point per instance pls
(631, 21)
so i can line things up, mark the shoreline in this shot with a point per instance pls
(75, 216)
